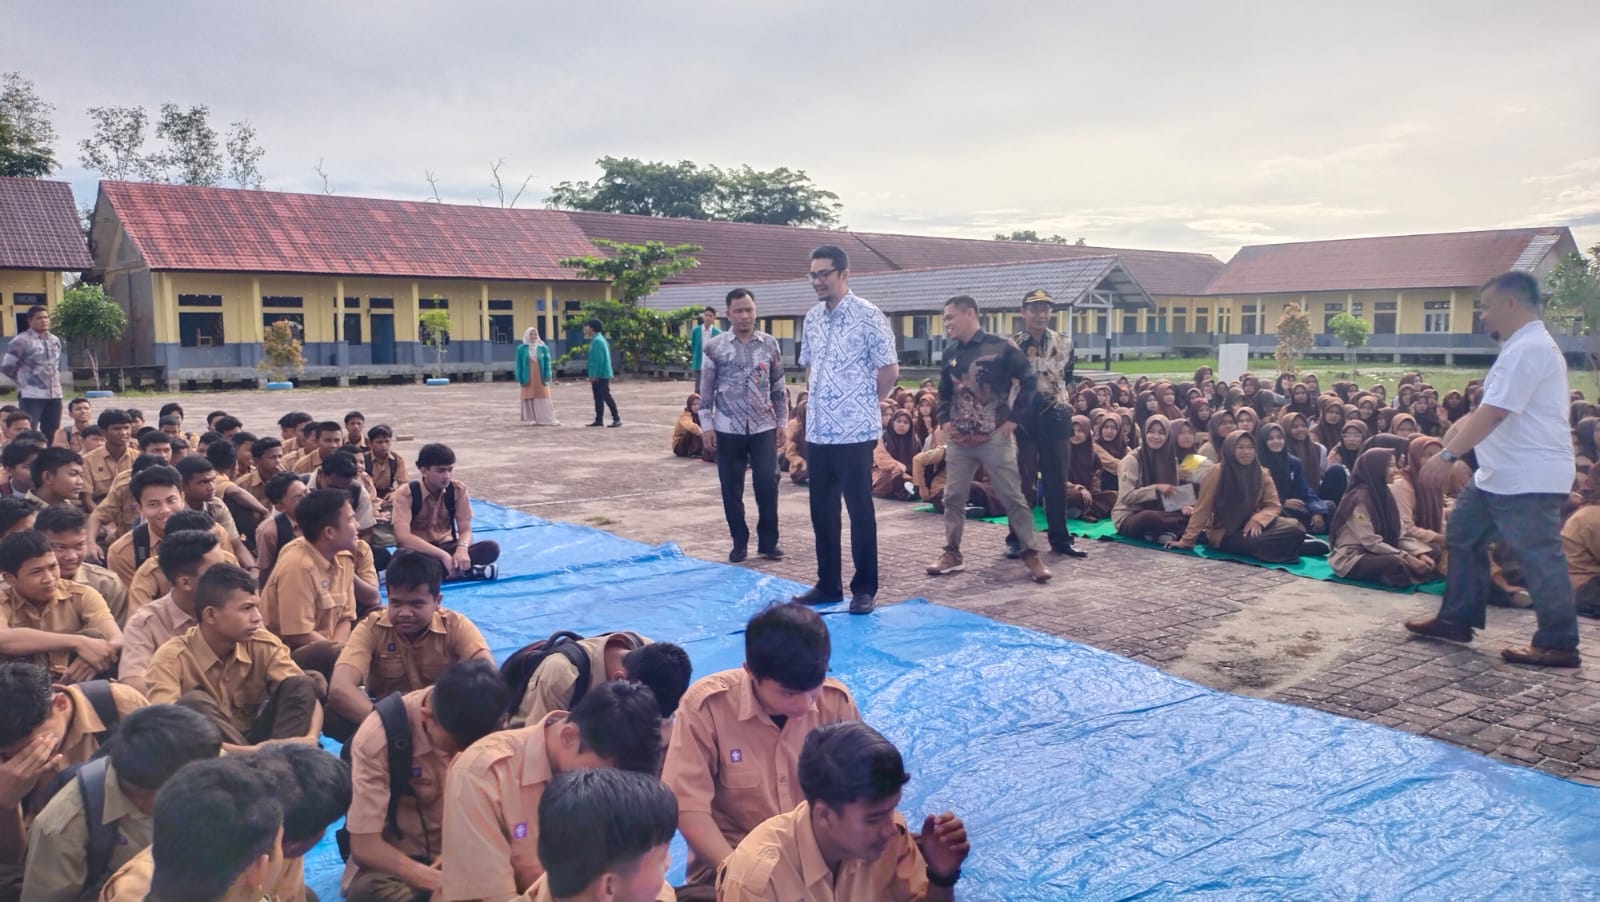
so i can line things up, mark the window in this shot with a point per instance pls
(1100, 326)
(1384, 318)
(352, 303)
(288, 303)
(298, 319)
(23, 301)
(381, 303)
(433, 304)
(1161, 319)
(199, 330)
(1180, 321)
(1130, 323)
(1329, 311)
(1436, 316)
(352, 328)
(919, 326)
(199, 300)
(500, 304)
(1202, 319)
(1477, 319)
(1247, 319)
(501, 328)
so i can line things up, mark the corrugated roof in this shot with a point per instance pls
(180, 227)
(39, 227)
(1444, 260)
(998, 286)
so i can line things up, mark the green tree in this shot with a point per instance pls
(634, 272)
(244, 156)
(89, 319)
(436, 334)
(281, 351)
(687, 190)
(1574, 286)
(1031, 236)
(190, 155)
(780, 196)
(1352, 330)
(1294, 338)
(27, 136)
(115, 149)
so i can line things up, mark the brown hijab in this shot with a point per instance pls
(1428, 512)
(1369, 493)
(1081, 464)
(1328, 433)
(1305, 449)
(1239, 493)
(1158, 466)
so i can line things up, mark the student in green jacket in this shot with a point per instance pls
(600, 373)
(533, 374)
(699, 337)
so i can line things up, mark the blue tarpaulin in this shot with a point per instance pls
(1082, 774)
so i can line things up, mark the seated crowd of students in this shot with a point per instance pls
(161, 716)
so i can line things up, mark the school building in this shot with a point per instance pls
(40, 239)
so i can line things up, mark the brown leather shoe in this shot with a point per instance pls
(1037, 571)
(1541, 657)
(1434, 628)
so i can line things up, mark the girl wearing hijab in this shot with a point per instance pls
(1246, 419)
(1301, 400)
(1368, 543)
(1455, 406)
(1148, 404)
(1583, 443)
(1367, 410)
(1421, 506)
(1203, 375)
(1084, 495)
(1283, 384)
(1327, 478)
(1330, 423)
(1167, 397)
(1145, 479)
(1314, 384)
(1109, 449)
(1384, 421)
(1351, 437)
(533, 374)
(1085, 403)
(1200, 414)
(687, 440)
(1425, 411)
(1404, 425)
(795, 449)
(1192, 466)
(1238, 509)
(1221, 425)
(924, 422)
(1299, 500)
(891, 460)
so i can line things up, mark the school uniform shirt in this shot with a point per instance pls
(218, 509)
(780, 861)
(120, 558)
(106, 583)
(1268, 507)
(1580, 536)
(1530, 452)
(239, 685)
(388, 473)
(118, 507)
(844, 348)
(432, 522)
(729, 760)
(151, 627)
(393, 663)
(85, 729)
(306, 463)
(252, 483)
(72, 608)
(540, 892)
(1358, 539)
(131, 882)
(491, 815)
(59, 837)
(101, 469)
(150, 582)
(308, 592)
(366, 514)
(550, 687)
(419, 816)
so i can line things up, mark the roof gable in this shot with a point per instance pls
(39, 227)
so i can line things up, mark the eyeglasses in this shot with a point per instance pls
(817, 275)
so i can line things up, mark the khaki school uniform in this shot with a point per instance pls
(118, 508)
(120, 559)
(432, 522)
(781, 861)
(240, 685)
(393, 663)
(308, 592)
(102, 469)
(84, 731)
(72, 609)
(387, 474)
(150, 582)
(729, 760)
(540, 892)
(420, 817)
(111, 589)
(550, 687)
(491, 815)
(256, 486)
(131, 882)
(58, 840)
(307, 462)
(147, 630)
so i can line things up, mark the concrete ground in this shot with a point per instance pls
(1232, 627)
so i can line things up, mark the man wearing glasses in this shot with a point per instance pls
(852, 363)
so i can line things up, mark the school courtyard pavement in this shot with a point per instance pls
(1242, 629)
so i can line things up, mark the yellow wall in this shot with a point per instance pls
(1411, 306)
(28, 281)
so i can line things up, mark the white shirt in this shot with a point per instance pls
(1530, 452)
(844, 348)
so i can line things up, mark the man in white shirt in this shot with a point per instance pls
(1520, 435)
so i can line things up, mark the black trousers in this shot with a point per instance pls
(1037, 458)
(46, 414)
(760, 453)
(603, 399)
(843, 471)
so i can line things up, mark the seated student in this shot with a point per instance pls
(929, 476)
(266, 457)
(1422, 507)
(354, 423)
(57, 477)
(1148, 475)
(603, 834)
(553, 686)
(687, 440)
(244, 446)
(200, 494)
(1580, 537)
(230, 669)
(340, 471)
(90, 438)
(315, 790)
(17, 513)
(16, 423)
(242, 506)
(185, 555)
(404, 646)
(794, 451)
(893, 457)
(1299, 500)
(1368, 541)
(387, 469)
(326, 439)
(310, 601)
(289, 430)
(227, 426)
(67, 531)
(70, 435)
(17, 460)
(150, 581)
(69, 855)
(284, 491)
(846, 841)
(104, 463)
(1238, 508)
(1085, 500)
(116, 515)
(736, 741)
(158, 491)
(491, 835)
(434, 516)
(395, 849)
(60, 625)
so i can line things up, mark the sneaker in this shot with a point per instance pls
(948, 562)
(1037, 571)
(1521, 599)
(1164, 539)
(911, 490)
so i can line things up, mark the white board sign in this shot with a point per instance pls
(1233, 361)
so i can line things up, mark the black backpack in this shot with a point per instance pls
(285, 529)
(449, 506)
(90, 777)
(518, 669)
(141, 543)
(391, 711)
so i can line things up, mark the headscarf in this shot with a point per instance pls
(1369, 491)
(1328, 433)
(1305, 449)
(1141, 410)
(1116, 447)
(1283, 383)
(1383, 419)
(1276, 464)
(901, 447)
(1346, 456)
(1397, 419)
(1081, 463)
(1214, 426)
(1400, 446)
(1200, 423)
(531, 337)
(1301, 400)
(1203, 373)
(1158, 466)
(1240, 489)
(1428, 420)
(1455, 407)
(1178, 428)
(1244, 413)
(1428, 512)
(1580, 410)
(1584, 436)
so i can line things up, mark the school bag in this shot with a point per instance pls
(397, 734)
(90, 777)
(449, 504)
(518, 669)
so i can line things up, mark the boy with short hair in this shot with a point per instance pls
(230, 669)
(326, 437)
(603, 834)
(315, 788)
(354, 422)
(57, 624)
(266, 455)
(289, 429)
(16, 423)
(387, 469)
(309, 601)
(70, 435)
(662, 666)
(90, 438)
(185, 556)
(150, 581)
(57, 475)
(284, 490)
(117, 514)
(434, 516)
(158, 493)
(200, 494)
(67, 531)
(104, 463)
(17, 460)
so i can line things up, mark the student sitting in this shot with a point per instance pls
(316, 789)
(735, 746)
(1580, 537)
(1238, 509)
(1299, 500)
(1085, 500)
(687, 434)
(603, 834)
(158, 492)
(1146, 477)
(387, 469)
(57, 476)
(60, 625)
(69, 856)
(67, 530)
(116, 516)
(17, 460)
(284, 491)
(553, 686)
(150, 581)
(184, 557)
(435, 517)
(846, 840)
(354, 423)
(242, 506)
(104, 463)
(1422, 513)
(327, 438)
(1368, 541)
(200, 494)
(794, 451)
(403, 647)
(17, 513)
(491, 820)
(266, 458)
(310, 601)
(228, 668)
(395, 849)
(892, 459)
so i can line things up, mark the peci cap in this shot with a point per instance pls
(1038, 296)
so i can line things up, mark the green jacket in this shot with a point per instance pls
(525, 368)
(697, 343)
(599, 357)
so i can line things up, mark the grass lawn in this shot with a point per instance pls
(1444, 378)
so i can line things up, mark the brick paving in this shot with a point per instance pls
(1232, 627)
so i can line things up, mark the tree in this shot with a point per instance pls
(1352, 330)
(436, 334)
(244, 155)
(1574, 286)
(634, 271)
(26, 133)
(280, 350)
(781, 196)
(498, 184)
(192, 156)
(686, 190)
(1294, 338)
(1031, 236)
(88, 318)
(116, 148)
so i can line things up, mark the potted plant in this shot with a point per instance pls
(88, 318)
(281, 355)
(436, 325)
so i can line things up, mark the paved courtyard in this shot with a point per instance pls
(1237, 628)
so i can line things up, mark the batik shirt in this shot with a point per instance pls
(741, 385)
(1051, 358)
(844, 348)
(33, 361)
(975, 383)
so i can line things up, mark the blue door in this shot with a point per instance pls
(382, 338)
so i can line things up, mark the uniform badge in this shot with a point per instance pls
(520, 831)
(416, 772)
(391, 646)
(736, 756)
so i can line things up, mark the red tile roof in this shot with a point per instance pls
(178, 227)
(39, 227)
(1446, 260)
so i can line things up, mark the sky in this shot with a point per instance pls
(1167, 125)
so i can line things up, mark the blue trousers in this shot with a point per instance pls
(1530, 526)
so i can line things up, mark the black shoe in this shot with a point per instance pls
(614, 424)
(815, 595)
(1067, 549)
(737, 555)
(595, 423)
(862, 603)
(772, 554)
(1013, 549)
(1314, 547)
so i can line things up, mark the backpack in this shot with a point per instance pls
(90, 777)
(518, 669)
(98, 694)
(449, 506)
(285, 529)
(391, 710)
(141, 543)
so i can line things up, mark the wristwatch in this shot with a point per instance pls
(944, 880)
(1448, 457)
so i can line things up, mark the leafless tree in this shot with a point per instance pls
(433, 185)
(326, 187)
(500, 188)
